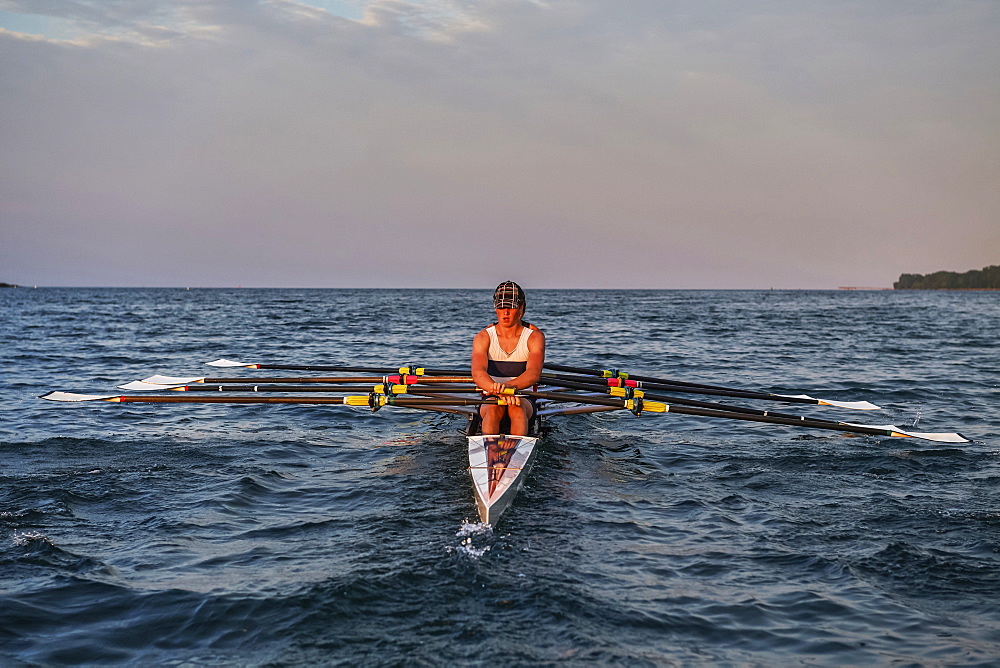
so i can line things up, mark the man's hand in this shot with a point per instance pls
(506, 399)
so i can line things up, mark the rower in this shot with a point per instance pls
(508, 354)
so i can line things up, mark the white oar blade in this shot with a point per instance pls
(70, 396)
(853, 405)
(937, 437)
(172, 380)
(228, 364)
(142, 386)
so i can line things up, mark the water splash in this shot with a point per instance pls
(27, 538)
(477, 539)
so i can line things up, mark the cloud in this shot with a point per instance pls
(721, 145)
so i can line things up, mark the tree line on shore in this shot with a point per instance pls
(987, 278)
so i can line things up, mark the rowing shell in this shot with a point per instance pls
(499, 465)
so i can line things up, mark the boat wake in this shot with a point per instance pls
(477, 539)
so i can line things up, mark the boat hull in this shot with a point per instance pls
(498, 465)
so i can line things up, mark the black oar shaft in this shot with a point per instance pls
(605, 373)
(294, 379)
(397, 400)
(676, 401)
(322, 367)
(188, 399)
(679, 386)
(575, 398)
(791, 421)
(688, 388)
(338, 379)
(378, 400)
(351, 369)
(204, 387)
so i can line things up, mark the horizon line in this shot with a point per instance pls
(301, 287)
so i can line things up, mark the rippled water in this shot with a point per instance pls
(137, 533)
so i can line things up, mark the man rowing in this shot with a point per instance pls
(508, 354)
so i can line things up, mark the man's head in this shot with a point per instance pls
(508, 295)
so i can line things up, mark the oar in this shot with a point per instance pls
(369, 400)
(636, 405)
(628, 393)
(166, 382)
(377, 389)
(410, 370)
(639, 405)
(354, 400)
(615, 378)
(610, 377)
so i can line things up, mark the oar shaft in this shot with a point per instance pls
(688, 388)
(190, 399)
(575, 398)
(611, 373)
(353, 400)
(676, 401)
(791, 421)
(397, 400)
(345, 379)
(349, 369)
(204, 387)
(395, 389)
(294, 379)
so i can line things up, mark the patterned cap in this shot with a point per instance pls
(508, 295)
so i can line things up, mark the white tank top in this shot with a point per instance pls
(504, 366)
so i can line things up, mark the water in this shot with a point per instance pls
(286, 535)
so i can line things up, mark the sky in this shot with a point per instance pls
(713, 144)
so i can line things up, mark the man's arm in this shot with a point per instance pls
(536, 360)
(480, 360)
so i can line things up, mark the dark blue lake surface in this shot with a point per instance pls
(277, 535)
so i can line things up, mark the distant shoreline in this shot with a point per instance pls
(987, 278)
